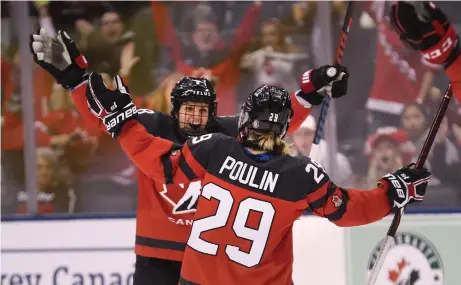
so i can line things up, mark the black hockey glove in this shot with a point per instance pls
(113, 107)
(60, 57)
(328, 80)
(405, 186)
(431, 33)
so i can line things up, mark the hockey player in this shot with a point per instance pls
(253, 190)
(433, 35)
(165, 210)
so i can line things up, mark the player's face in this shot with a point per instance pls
(413, 121)
(193, 116)
(302, 140)
(45, 172)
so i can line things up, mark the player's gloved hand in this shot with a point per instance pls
(114, 107)
(328, 80)
(60, 57)
(431, 33)
(405, 186)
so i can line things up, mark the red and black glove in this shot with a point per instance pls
(405, 186)
(328, 80)
(60, 57)
(431, 32)
(113, 107)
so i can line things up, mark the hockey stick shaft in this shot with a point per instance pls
(338, 58)
(386, 246)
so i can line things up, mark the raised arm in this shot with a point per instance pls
(79, 98)
(154, 156)
(162, 160)
(347, 207)
(61, 58)
(315, 84)
(433, 35)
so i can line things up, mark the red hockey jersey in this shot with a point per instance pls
(242, 232)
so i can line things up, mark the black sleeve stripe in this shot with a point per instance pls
(317, 204)
(167, 168)
(168, 165)
(320, 202)
(331, 189)
(186, 168)
(338, 214)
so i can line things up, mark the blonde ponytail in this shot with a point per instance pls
(266, 142)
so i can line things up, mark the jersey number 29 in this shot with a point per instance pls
(258, 236)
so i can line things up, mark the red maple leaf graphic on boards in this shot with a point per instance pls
(395, 274)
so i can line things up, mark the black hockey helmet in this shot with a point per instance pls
(193, 89)
(267, 109)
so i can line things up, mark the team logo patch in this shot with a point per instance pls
(183, 198)
(255, 124)
(337, 201)
(412, 260)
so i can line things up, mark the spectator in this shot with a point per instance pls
(337, 12)
(444, 158)
(300, 23)
(445, 163)
(400, 76)
(103, 47)
(44, 18)
(54, 194)
(71, 139)
(302, 145)
(205, 54)
(12, 127)
(75, 15)
(457, 134)
(160, 98)
(74, 140)
(387, 149)
(141, 77)
(275, 61)
(111, 27)
(414, 122)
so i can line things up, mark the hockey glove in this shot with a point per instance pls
(431, 33)
(113, 107)
(327, 80)
(60, 57)
(406, 185)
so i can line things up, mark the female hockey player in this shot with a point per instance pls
(165, 210)
(253, 189)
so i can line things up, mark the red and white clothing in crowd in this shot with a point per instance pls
(273, 68)
(401, 75)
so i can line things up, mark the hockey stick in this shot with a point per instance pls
(338, 58)
(386, 245)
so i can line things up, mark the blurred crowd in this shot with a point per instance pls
(382, 122)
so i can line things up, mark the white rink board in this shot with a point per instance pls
(66, 252)
(319, 251)
(67, 268)
(85, 252)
